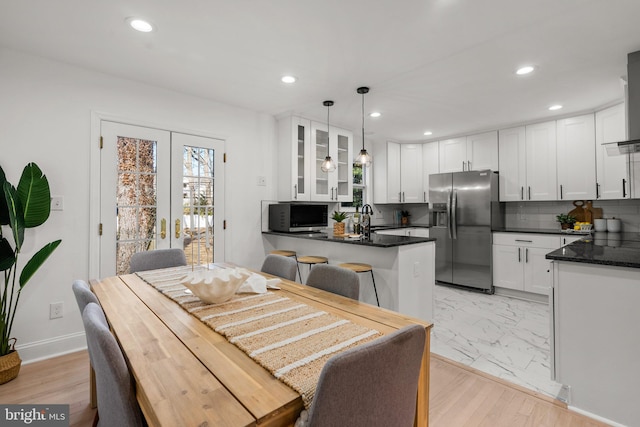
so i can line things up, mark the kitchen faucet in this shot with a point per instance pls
(367, 211)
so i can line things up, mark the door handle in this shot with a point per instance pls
(403, 198)
(454, 219)
(519, 256)
(178, 228)
(449, 213)
(468, 165)
(526, 255)
(624, 188)
(424, 196)
(521, 240)
(522, 193)
(400, 196)
(463, 162)
(529, 193)
(163, 228)
(597, 190)
(295, 191)
(560, 191)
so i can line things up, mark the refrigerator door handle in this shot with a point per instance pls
(449, 213)
(454, 219)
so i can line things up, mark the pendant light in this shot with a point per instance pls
(363, 157)
(328, 165)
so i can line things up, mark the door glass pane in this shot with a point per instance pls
(343, 165)
(322, 151)
(135, 199)
(197, 201)
(301, 171)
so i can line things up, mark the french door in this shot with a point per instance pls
(159, 189)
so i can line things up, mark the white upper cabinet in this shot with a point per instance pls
(334, 186)
(404, 173)
(482, 151)
(453, 155)
(513, 170)
(541, 162)
(411, 173)
(576, 158)
(294, 150)
(430, 165)
(612, 171)
(474, 152)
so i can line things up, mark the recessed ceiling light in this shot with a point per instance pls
(375, 114)
(524, 70)
(555, 107)
(427, 133)
(288, 79)
(140, 25)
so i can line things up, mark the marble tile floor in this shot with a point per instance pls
(502, 336)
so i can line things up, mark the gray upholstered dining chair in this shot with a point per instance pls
(117, 403)
(159, 258)
(335, 279)
(280, 266)
(83, 294)
(372, 385)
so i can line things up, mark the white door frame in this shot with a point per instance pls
(94, 176)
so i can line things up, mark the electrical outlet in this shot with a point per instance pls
(55, 310)
(57, 203)
(262, 181)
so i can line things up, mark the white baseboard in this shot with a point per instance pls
(52, 347)
(514, 293)
(595, 417)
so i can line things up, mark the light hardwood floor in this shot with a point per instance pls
(459, 395)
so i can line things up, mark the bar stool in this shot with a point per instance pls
(360, 267)
(312, 260)
(288, 254)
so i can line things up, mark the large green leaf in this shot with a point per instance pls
(4, 211)
(36, 261)
(34, 193)
(7, 256)
(16, 214)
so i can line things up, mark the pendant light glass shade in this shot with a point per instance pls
(328, 165)
(363, 157)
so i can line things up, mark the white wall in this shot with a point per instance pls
(45, 117)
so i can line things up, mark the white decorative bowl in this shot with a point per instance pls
(215, 286)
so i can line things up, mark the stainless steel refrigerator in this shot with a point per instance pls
(464, 210)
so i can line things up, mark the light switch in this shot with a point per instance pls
(57, 203)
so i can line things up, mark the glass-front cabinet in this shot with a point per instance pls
(336, 186)
(294, 154)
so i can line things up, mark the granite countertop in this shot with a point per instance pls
(616, 249)
(394, 226)
(379, 240)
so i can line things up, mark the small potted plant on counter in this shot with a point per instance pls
(404, 217)
(566, 221)
(338, 225)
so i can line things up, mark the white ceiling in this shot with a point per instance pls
(441, 65)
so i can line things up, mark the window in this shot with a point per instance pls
(359, 189)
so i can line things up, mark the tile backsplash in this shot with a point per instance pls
(543, 214)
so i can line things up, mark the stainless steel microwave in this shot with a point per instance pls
(294, 217)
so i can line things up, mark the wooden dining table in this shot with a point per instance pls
(187, 374)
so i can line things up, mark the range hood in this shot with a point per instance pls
(633, 110)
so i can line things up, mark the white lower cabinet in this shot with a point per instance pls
(519, 261)
(415, 231)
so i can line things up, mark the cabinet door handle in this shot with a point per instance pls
(560, 191)
(529, 193)
(163, 228)
(526, 254)
(295, 191)
(468, 165)
(527, 241)
(463, 162)
(522, 193)
(624, 188)
(400, 196)
(178, 228)
(403, 198)
(597, 190)
(424, 196)
(519, 257)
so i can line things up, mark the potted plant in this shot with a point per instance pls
(338, 225)
(404, 217)
(566, 221)
(25, 206)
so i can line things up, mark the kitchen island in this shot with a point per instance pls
(403, 266)
(595, 294)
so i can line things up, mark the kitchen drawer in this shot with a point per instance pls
(527, 240)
